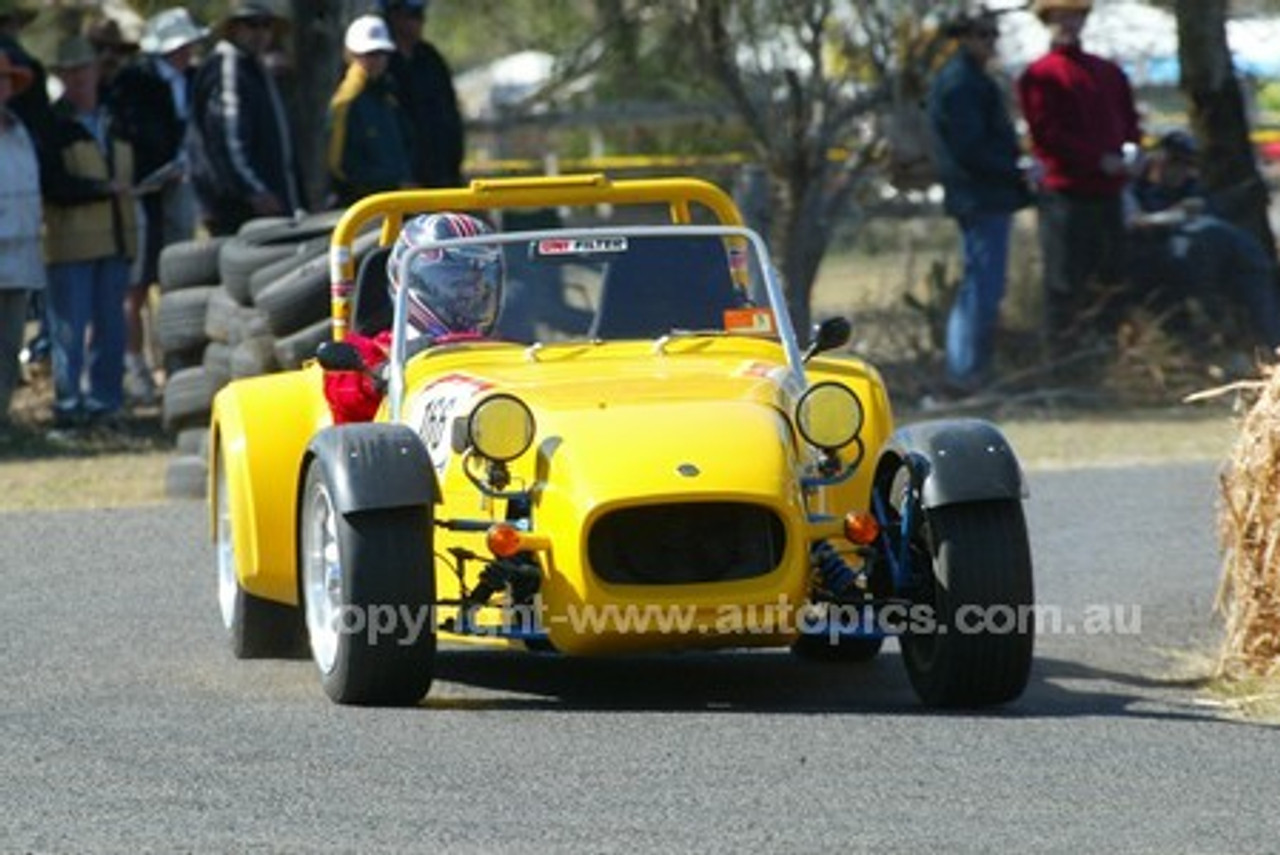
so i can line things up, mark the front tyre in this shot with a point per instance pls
(256, 628)
(977, 650)
(368, 586)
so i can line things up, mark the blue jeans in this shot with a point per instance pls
(82, 295)
(972, 322)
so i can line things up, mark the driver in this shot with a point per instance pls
(453, 294)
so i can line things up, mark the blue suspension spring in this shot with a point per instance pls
(834, 573)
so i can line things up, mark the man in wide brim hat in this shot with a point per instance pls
(19, 78)
(251, 13)
(72, 52)
(171, 30)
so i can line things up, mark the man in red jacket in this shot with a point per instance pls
(1081, 114)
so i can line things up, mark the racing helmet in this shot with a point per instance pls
(451, 290)
(1043, 7)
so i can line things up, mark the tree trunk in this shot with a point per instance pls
(1216, 105)
(315, 51)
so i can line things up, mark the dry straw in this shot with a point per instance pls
(1249, 528)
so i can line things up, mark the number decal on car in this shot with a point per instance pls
(434, 410)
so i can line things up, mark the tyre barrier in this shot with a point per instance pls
(235, 307)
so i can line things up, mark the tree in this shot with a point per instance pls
(1217, 114)
(812, 80)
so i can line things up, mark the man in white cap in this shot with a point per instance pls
(151, 100)
(243, 160)
(369, 134)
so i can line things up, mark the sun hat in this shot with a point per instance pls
(19, 76)
(1044, 7)
(171, 30)
(252, 9)
(106, 33)
(72, 52)
(368, 34)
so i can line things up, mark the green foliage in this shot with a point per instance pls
(473, 32)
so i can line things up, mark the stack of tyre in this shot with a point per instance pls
(237, 307)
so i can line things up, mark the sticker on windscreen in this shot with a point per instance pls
(581, 246)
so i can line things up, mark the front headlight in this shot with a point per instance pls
(500, 428)
(829, 415)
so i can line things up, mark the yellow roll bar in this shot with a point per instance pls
(678, 194)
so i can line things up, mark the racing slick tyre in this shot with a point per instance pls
(367, 582)
(256, 628)
(820, 648)
(974, 564)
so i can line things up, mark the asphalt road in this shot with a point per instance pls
(126, 726)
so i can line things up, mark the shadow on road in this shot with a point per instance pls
(774, 681)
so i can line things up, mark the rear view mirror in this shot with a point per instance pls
(828, 335)
(339, 356)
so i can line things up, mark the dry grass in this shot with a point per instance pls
(1249, 527)
(43, 469)
(99, 481)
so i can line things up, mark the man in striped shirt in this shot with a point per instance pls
(243, 159)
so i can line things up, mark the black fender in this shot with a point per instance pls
(954, 460)
(374, 466)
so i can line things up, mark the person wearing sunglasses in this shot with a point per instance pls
(424, 87)
(244, 163)
(977, 154)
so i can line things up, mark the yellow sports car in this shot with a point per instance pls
(642, 456)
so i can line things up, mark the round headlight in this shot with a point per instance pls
(501, 428)
(829, 415)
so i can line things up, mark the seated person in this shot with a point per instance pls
(451, 295)
(1179, 248)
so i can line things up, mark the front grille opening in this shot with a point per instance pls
(686, 543)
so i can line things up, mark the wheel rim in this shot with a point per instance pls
(322, 579)
(228, 585)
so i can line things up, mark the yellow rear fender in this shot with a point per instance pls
(259, 433)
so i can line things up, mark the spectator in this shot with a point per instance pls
(977, 155)
(150, 100)
(1080, 111)
(32, 107)
(424, 85)
(243, 159)
(1180, 248)
(369, 135)
(21, 267)
(113, 49)
(90, 232)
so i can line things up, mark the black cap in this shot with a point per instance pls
(1178, 143)
(970, 23)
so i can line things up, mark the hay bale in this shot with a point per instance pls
(1249, 529)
